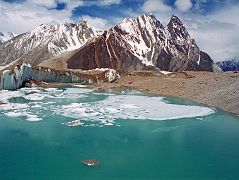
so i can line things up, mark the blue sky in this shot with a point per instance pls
(213, 23)
(119, 8)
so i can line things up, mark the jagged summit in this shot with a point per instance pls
(144, 21)
(177, 28)
(175, 19)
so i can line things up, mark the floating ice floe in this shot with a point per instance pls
(6, 94)
(33, 117)
(101, 112)
(53, 90)
(22, 113)
(37, 97)
(13, 106)
(132, 107)
(77, 91)
(30, 90)
(91, 162)
(14, 114)
(108, 122)
(72, 123)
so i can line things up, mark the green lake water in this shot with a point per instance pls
(144, 137)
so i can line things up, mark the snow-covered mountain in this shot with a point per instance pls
(229, 65)
(5, 36)
(143, 43)
(133, 44)
(46, 41)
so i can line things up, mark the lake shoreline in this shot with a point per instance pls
(218, 90)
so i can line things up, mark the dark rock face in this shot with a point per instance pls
(230, 65)
(143, 43)
(205, 62)
(104, 52)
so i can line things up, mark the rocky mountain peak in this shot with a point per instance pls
(133, 44)
(229, 65)
(46, 41)
(46, 29)
(177, 28)
(175, 20)
(145, 21)
(143, 43)
(41, 30)
(82, 23)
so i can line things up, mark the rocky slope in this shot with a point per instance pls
(46, 41)
(143, 43)
(229, 65)
(214, 89)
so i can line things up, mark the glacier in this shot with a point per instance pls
(14, 78)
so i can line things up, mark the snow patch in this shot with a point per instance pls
(165, 72)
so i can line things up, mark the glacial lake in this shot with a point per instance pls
(134, 136)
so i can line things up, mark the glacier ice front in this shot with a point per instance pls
(14, 78)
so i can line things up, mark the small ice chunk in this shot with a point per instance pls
(33, 117)
(53, 90)
(13, 114)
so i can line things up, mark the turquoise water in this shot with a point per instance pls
(134, 145)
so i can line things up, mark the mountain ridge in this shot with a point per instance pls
(133, 44)
(229, 65)
(46, 41)
(142, 43)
